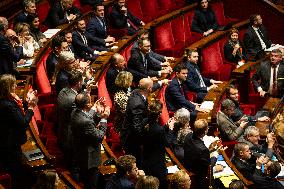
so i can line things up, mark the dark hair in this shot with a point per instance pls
(274, 169)
(75, 78)
(124, 164)
(180, 67)
(227, 90)
(56, 41)
(252, 18)
(233, 30)
(46, 180)
(31, 18)
(200, 127)
(188, 53)
(78, 20)
(236, 184)
(238, 148)
(81, 100)
(199, 4)
(97, 4)
(155, 108)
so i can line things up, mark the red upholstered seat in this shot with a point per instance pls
(126, 53)
(191, 37)
(102, 89)
(218, 8)
(5, 180)
(151, 9)
(164, 117)
(135, 8)
(248, 109)
(42, 10)
(167, 5)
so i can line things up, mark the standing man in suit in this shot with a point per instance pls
(176, 95)
(256, 39)
(9, 56)
(229, 129)
(197, 157)
(269, 76)
(87, 137)
(121, 18)
(141, 65)
(29, 8)
(62, 12)
(97, 25)
(195, 81)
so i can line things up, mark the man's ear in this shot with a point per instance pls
(241, 153)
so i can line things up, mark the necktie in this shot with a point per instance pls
(132, 24)
(181, 89)
(202, 84)
(145, 62)
(260, 33)
(274, 82)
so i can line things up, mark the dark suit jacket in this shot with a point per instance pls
(203, 21)
(51, 61)
(263, 75)
(119, 182)
(61, 80)
(228, 50)
(65, 106)
(91, 2)
(82, 50)
(20, 18)
(8, 55)
(95, 28)
(197, 156)
(137, 68)
(264, 182)
(57, 16)
(175, 99)
(252, 43)
(193, 81)
(110, 80)
(247, 168)
(87, 138)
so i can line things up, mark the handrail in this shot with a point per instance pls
(65, 176)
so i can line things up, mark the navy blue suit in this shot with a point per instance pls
(204, 21)
(61, 80)
(20, 18)
(110, 80)
(8, 55)
(51, 61)
(97, 27)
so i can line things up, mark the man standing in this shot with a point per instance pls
(87, 137)
(195, 81)
(256, 39)
(270, 74)
(29, 8)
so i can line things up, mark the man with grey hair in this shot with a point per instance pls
(29, 8)
(251, 138)
(228, 129)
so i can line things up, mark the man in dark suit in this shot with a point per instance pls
(175, 94)
(29, 8)
(197, 156)
(87, 137)
(97, 25)
(269, 76)
(62, 12)
(68, 38)
(65, 106)
(121, 18)
(256, 39)
(195, 81)
(87, 46)
(59, 44)
(9, 55)
(141, 65)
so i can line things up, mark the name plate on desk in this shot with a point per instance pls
(34, 154)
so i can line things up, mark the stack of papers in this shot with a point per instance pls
(50, 32)
(273, 47)
(172, 169)
(27, 64)
(207, 105)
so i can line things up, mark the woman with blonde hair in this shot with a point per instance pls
(147, 182)
(179, 180)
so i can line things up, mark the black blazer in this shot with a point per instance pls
(248, 168)
(228, 50)
(61, 80)
(252, 43)
(95, 28)
(265, 182)
(57, 16)
(51, 62)
(8, 56)
(175, 99)
(263, 75)
(20, 18)
(204, 21)
(110, 80)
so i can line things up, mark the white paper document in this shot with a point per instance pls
(207, 105)
(50, 32)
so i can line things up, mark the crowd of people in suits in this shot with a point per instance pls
(82, 123)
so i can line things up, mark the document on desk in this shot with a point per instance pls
(26, 64)
(227, 171)
(172, 169)
(51, 32)
(273, 47)
(207, 105)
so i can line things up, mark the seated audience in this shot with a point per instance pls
(247, 163)
(88, 134)
(29, 8)
(197, 157)
(58, 45)
(15, 121)
(123, 82)
(35, 32)
(141, 65)
(181, 128)
(256, 38)
(126, 175)
(179, 180)
(154, 144)
(97, 25)
(229, 130)
(175, 94)
(195, 81)
(252, 137)
(121, 18)
(62, 12)
(267, 179)
(269, 76)
(68, 37)
(147, 182)
(86, 46)
(232, 93)
(91, 2)
(204, 20)
(236, 184)
(234, 50)
(47, 179)
(30, 46)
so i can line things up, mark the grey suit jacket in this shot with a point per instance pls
(228, 129)
(87, 138)
(66, 105)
